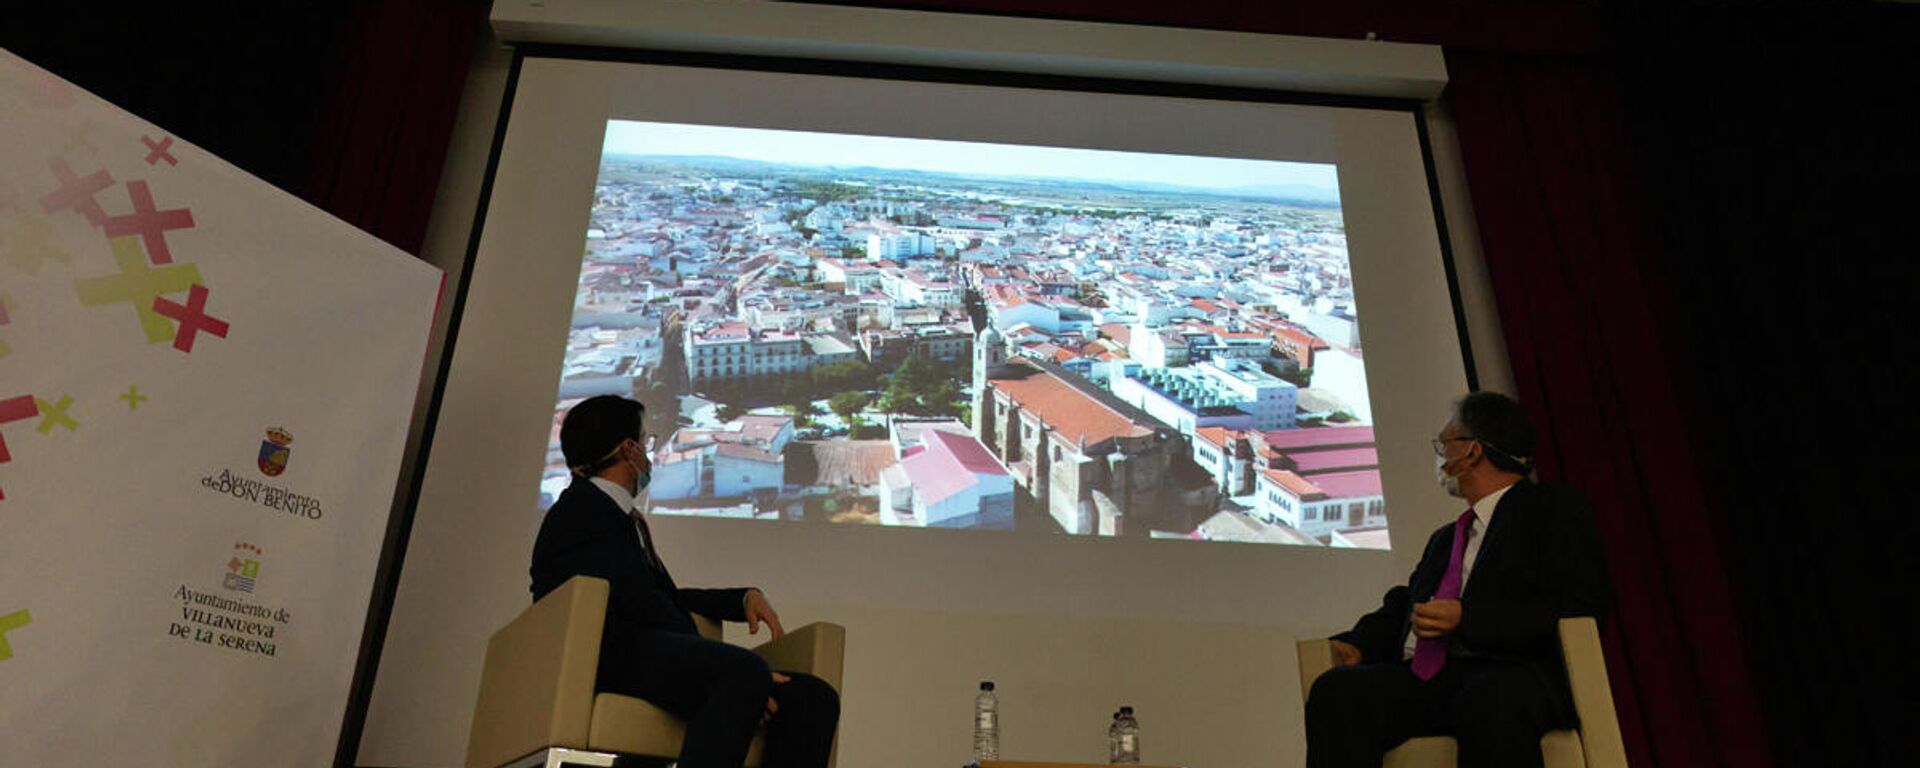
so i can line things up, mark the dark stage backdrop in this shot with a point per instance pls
(346, 104)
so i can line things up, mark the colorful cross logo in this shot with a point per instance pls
(147, 222)
(77, 192)
(15, 409)
(157, 150)
(55, 415)
(139, 285)
(192, 316)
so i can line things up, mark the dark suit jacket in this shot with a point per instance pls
(1540, 561)
(586, 534)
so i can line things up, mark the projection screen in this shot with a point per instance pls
(1161, 361)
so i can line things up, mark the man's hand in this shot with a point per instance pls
(1344, 654)
(759, 610)
(1436, 618)
(773, 707)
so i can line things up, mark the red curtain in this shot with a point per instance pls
(1567, 245)
(383, 136)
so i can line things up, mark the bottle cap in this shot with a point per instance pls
(986, 685)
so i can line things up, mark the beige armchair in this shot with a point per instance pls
(537, 705)
(1596, 744)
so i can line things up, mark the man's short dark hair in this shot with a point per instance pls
(594, 427)
(1501, 425)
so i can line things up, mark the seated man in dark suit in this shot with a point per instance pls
(650, 648)
(1469, 647)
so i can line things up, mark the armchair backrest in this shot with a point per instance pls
(537, 688)
(1592, 695)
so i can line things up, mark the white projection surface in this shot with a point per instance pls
(1169, 281)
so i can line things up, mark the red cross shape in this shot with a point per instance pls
(151, 225)
(157, 150)
(15, 409)
(193, 318)
(77, 192)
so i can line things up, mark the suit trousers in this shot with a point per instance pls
(721, 691)
(1496, 711)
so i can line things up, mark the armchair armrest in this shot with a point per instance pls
(1592, 695)
(818, 649)
(707, 626)
(1316, 657)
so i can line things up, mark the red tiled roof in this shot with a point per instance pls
(1299, 486)
(1074, 415)
(1320, 462)
(1219, 436)
(1117, 332)
(1318, 438)
(1350, 485)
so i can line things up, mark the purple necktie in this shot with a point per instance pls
(1430, 653)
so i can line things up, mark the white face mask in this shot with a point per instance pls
(1448, 482)
(642, 475)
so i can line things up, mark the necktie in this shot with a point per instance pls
(646, 542)
(1430, 653)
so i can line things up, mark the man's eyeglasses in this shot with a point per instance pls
(1440, 443)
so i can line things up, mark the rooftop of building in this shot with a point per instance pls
(838, 463)
(1076, 415)
(1319, 438)
(1343, 459)
(1189, 391)
(948, 463)
(746, 452)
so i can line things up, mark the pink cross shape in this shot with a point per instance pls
(77, 192)
(151, 225)
(157, 150)
(193, 318)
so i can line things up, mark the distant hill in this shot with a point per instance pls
(1304, 194)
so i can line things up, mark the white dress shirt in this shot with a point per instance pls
(1476, 533)
(625, 501)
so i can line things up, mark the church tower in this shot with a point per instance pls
(989, 353)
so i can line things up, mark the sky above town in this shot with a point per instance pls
(806, 148)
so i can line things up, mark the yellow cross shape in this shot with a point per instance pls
(8, 623)
(138, 284)
(55, 415)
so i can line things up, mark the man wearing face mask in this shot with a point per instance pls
(649, 648)
(1469, 647)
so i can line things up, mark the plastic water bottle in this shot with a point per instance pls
(986, 723)
(1124, 742)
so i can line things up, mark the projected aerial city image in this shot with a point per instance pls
(907, 332)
